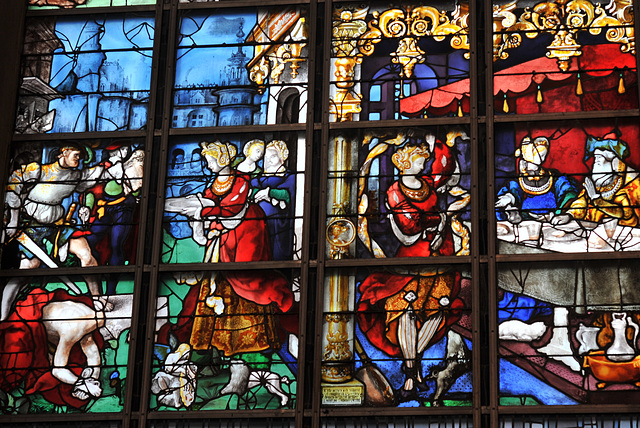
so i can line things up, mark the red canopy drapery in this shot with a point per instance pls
(522, 80)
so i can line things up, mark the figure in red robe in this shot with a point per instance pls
(234, 310)
(404, 313)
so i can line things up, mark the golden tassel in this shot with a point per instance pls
(621, 88)
(460, 113)
(505, 105)
(579, 91)
(539, 95)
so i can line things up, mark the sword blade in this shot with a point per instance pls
(28, 243)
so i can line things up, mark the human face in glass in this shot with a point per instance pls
(70, 158)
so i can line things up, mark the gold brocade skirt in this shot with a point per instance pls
(428, 291)
(243, 326)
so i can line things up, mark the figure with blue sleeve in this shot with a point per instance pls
(537, 193)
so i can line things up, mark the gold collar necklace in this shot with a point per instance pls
(416, 194)
(220, 187)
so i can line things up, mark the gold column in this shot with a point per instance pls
(338, 368)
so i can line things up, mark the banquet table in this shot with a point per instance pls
(607, 285)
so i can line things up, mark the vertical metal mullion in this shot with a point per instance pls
(12, 30)
(636, 25)
(157, 223)
(475, 220)
(494, 384)
(322, 217)
(306, 225)
(138, 305)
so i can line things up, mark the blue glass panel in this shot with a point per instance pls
(374, 93)
(83, 75)
(241, 67)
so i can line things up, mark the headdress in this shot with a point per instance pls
(403, 157)
(609, 142)
(249, 144)
(538, 141)
(222, 152)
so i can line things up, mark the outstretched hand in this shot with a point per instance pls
(505, 200)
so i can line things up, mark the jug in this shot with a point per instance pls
(620, 350)
(588, 338)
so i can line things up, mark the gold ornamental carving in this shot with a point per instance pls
(288, 53)
(409, 25)
(354, 38)
(259, 74)
(348, 27)
(338, 347)
(337, 374)
(289, 28)
(563, 20)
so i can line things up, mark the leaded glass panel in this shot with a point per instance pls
(83, 74)
(407, 190)
(241, 67)
(234, 198)
(422, 421)
(73, 204)
(225, 423)
(569, 333)
(226, 340)
(68, 424)
(69, 4)
(62, 350)
(399, 336)
(567, 421)
(568, 186)
(394, 62)
(559, 56)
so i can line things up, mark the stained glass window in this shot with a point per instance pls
(399, 62)
(569, 330)
(73, 204)
(329, 214)
(64, 350)
(400, 422)
(70, 4)
(567, 186)
(234, 198)
(407, 190)
(561, 421)
(226, 340)
(224, 423)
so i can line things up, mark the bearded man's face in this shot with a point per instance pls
(602, 169)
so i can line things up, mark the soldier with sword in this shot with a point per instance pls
(34, 199)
